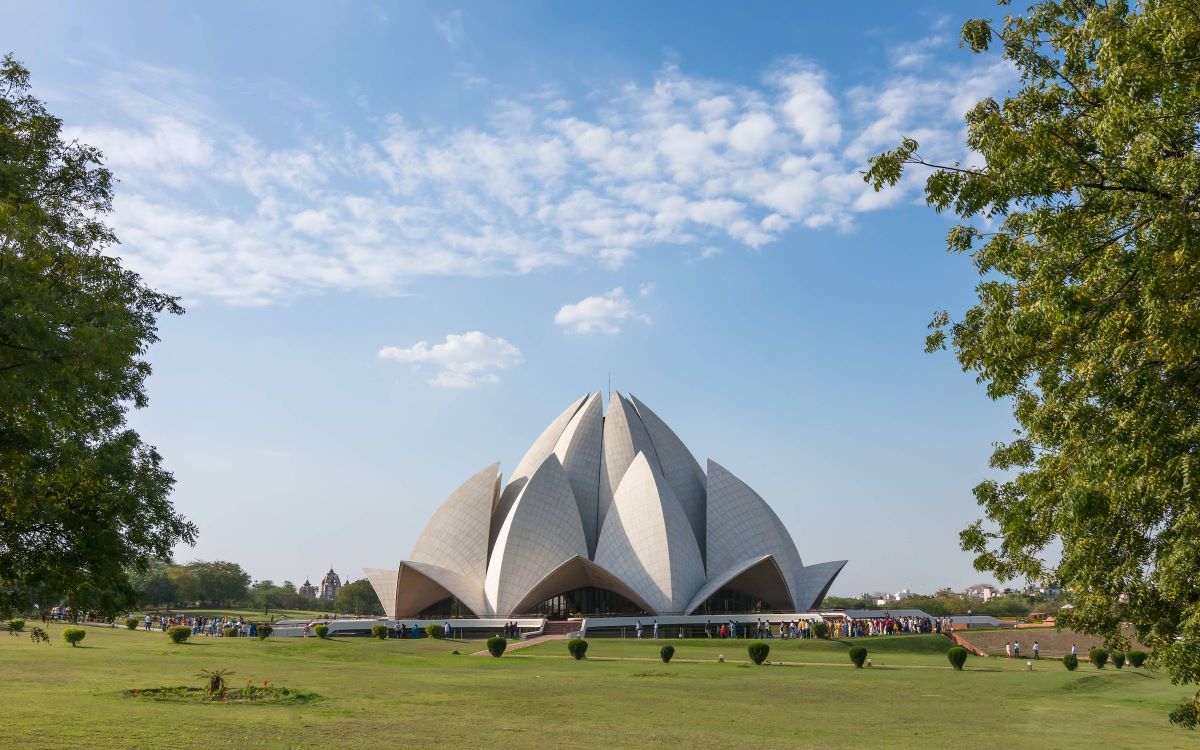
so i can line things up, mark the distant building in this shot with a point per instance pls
(983, 591)
(329, 586)
(308, 590)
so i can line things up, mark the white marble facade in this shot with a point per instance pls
(614, 501)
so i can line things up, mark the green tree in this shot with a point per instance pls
(187, 585)
(83, 501)
(358, 598)
(220, 582)
(1088, 313)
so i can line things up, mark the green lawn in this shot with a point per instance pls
(418, 694)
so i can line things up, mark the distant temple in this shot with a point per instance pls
(308, 590)
(329, 586)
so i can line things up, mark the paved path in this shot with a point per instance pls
(517, 645)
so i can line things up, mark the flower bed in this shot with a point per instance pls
(247, 694)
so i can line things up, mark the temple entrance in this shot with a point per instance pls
(586, 601)
(448, 607)
(727, 601)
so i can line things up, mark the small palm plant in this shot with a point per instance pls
(215, 679)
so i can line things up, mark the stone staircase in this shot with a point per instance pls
(560, 628)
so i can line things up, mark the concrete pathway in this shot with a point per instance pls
(517, 645)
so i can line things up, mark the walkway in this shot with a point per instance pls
(517, 645)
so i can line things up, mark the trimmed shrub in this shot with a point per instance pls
(321, 630)
(1118, 659)
(131, 623)
(496, 646)
(264, 631)
(179, 633)
(232, 632)
(957, 655)
(577, 647)
(1136, 658)
(380, 632)
(16, 625)
(858, 655)
(74, 635)
(1071, 661)
(820, 629)
(433, 630)
(1099, 657)
(666, 652)
(758, 652)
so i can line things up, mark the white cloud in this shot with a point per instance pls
(603, 313)
(461, 361)
(451, 26)
(205, 208)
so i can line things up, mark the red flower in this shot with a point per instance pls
(264, 683)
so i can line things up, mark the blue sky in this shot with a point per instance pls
(408, 236)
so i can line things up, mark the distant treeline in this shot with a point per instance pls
(220, 583)
(1004, 605)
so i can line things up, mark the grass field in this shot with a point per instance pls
(419, 694)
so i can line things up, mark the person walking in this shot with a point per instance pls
(1017, 649)
(1074, 651)
(656, 630)
(1008, 649)
(1036, 653)
(638, 628)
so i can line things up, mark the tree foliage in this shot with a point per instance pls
(358, 598)
(1082, 215)
(82, 499)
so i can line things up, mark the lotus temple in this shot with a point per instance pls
(607, 514)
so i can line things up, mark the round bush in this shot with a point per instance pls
(1136, 658)
(433, 630)
(232, 632)
(1071, 661)
(179, 633)
(666, 652)
(264, 631)
(758, 652)
(858, 655)
(496, 646)
(957, 655)
(74, 635)
(577, 647)
(820, 629)
(16, 625)
(321, 630)
(380, 632)
(131, 623)
(1118, 659)
(1099, 657)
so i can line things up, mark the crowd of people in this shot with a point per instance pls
(215, 627)
(1013, 650)
(805, 628)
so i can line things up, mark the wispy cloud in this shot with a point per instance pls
(205, 208)
(461, 361)
(451, 27)
(602, 313)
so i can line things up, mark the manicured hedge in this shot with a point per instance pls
(577, 647)
(16, 625)
(496, 646)
(380, 632)
(232, 631)
(666, 652)
(820, 629)
(957, 655)
(74, 635)
(433, 630)
(1118, 659)
(1099, 657)
(179, 633)
(264, 631)
(1136, 658)
(858, 655)
(1071, 661)
(131, 623)
(758, 652)
(321, 630)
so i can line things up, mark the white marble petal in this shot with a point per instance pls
(419, 585)
(529, 463)
(579, 449)
(384, 581)
(759, 576)
(815, 581)
(742, 526)
(648, 542)
(680, 468)
(624, 438)
(456, 537)
(541, 532)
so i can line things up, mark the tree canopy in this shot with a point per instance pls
(82, 499)
(1081, 211)
(358, 598)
